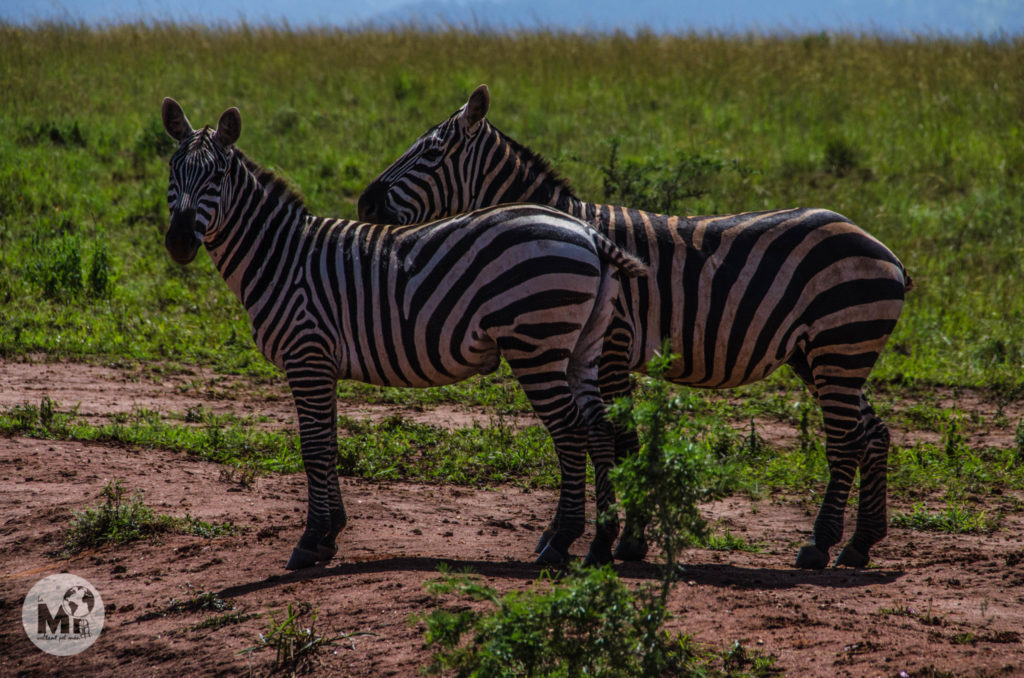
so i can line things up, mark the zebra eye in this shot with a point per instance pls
(432, 153)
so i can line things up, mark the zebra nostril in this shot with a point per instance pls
(367, 211)
(370, 200)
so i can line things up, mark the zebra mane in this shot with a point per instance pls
(538, 164)
(271, 182)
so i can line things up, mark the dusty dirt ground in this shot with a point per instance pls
(961, 596)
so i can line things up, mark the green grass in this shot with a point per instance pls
(725, 540)
(954, 518)
(393, 448)
(295, 645)
(918, 140)
(121, 519)
(197, 601)
(498, 392)
(587, 622)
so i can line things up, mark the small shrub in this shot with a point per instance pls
(99, 277)
(121, 519)
(841, 157)
(58, 267)
(295, 647)
(955, 518)
(587, 624)
(671, 474)
(153, 141)
(58, 133)
(658, 184)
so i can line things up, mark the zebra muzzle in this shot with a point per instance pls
(183, 238)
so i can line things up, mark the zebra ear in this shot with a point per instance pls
(229, 127)
(477, 106)
(175, 122)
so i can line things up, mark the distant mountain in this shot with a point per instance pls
(984, 18)
(963, 18)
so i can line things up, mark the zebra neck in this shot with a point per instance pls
(544, 189)
(514, 173)
(261, 224)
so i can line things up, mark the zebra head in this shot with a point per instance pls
(431, 179)
(197, 175)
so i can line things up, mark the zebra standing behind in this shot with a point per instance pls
(737, 295)
(414, 306)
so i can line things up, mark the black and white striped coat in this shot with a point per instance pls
(422, 305)
(737, 296)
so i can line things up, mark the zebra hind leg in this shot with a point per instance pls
(632, 544)
(872, 521)
(845, 448)
(615, 382)
(570, 447)
(601, 446)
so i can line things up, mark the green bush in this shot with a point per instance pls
(658, 183)
(587, 623)
(121, 519)
(57, 270)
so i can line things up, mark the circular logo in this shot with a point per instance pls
(62, 614)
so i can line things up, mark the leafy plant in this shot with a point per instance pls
(669, 477)
(58, 268)
(99, 278)
(588, 623)
(954, 518)
(585, 623)
(121, 519)
(295, 646)
(197, 601)
(656, 183)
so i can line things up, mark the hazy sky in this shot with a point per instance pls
(949, 17)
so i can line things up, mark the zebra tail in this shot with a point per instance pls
(626, 263)
(908, 282)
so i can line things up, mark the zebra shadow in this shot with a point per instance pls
(718, 575)
(724, 575)
(525, 571)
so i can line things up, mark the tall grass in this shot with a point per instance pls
(917, 140)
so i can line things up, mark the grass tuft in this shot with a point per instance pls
(295, 647)
(954, 518)
(121, 519)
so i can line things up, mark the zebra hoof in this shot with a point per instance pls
(597, 557)
(542, 543)
(811, 557)
(325, 552)
(302, 558)
(631, 549)
(852, 557)
(552, 556)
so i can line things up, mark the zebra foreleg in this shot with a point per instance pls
(325, 515)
